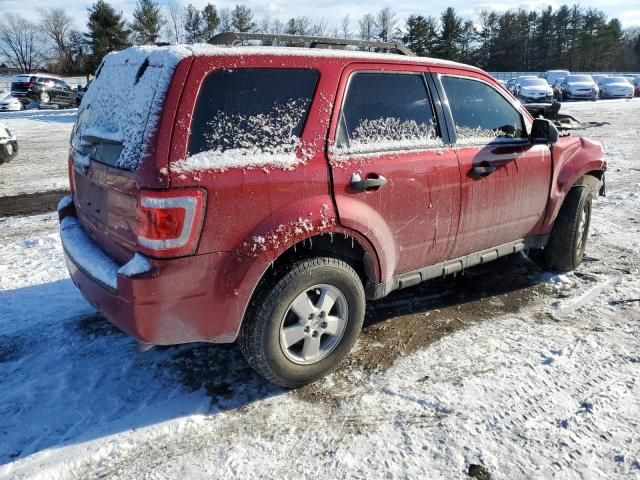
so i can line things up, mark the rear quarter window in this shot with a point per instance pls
(249, 118)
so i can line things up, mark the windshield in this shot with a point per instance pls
(579, 78)
(533, 82)
(614, 80)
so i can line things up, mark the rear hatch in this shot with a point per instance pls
(22, 84)
(114, 138)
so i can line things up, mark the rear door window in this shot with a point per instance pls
(247, 116)
(481, 114)
(386, 112)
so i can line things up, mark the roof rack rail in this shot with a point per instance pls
(233, 38)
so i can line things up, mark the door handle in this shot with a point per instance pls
(482, 171)
(368, 183)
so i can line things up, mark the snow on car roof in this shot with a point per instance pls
(179, 52)
(130, 86)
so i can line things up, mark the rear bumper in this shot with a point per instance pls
(180, 300)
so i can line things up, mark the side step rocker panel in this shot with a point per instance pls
(379, 290)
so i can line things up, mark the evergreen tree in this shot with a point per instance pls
(147, 22)
(210, 22)
(421, 34)
(192, 24)
(107, 31)
(242, 19)
(450, 39)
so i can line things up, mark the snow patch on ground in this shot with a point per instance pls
(552, 390)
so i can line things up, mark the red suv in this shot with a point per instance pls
(261, 194)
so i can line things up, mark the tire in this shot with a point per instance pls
(565, 249)
(282, 308)
(45, 97)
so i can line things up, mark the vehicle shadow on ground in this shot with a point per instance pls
(86, 380)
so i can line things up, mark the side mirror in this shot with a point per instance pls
(543, 131)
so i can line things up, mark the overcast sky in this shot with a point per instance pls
(628, 11)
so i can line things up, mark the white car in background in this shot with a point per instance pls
(615, 87)
(533, 90)
(578, 87)
(9, 103)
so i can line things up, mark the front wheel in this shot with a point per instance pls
(301, 328)
(565, 249)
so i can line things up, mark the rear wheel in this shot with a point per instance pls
(568, 240)
(44, 97)
(301, 328)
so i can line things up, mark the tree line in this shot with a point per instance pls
(571, 37)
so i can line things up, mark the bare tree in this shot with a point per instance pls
(386, 22)
(175, 24)
(226, 20)
(264, 25)
(277, 27)
(345, 26)
(320, 28)
(20, 42)
(57, 27)
(367, 26)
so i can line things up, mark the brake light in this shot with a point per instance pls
(170, 222)
(29, 85)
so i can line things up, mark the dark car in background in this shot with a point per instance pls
(43, 90)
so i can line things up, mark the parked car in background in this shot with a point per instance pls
(511, 83)
(9, 103)
(552, 75)
(531, 90)
(616, 87)
(80, 91)
(598, 78)
(8, 145)
(520, 79)
(636, 87)
(578, 87)
(265, 215)
(556, 87)
(43, 89)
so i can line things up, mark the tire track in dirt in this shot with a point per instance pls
(30, 203)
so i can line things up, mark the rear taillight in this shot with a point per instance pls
(29, 85)
(170, 222)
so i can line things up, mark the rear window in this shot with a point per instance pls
(120, 113)
(250, 117)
